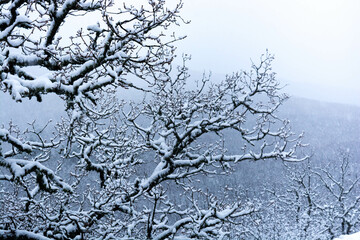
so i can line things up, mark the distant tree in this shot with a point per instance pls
(341, 207)
(110, 167)
(313, 203)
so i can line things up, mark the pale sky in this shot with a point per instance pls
(316, 43)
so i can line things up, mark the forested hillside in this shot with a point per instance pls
(331, 133)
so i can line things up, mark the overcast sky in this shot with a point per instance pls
(316, 42)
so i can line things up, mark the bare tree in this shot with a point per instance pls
(341, 206)
(110, 167)
(313, 203)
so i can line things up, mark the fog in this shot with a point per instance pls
(316, 43)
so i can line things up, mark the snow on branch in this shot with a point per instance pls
(124, 41)
(118, 162)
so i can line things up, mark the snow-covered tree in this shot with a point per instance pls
(124, 169)
(342, 203)
(314, 202)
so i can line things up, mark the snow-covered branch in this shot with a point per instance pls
(112, 167)
(125, 41)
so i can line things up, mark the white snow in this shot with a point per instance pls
(354, 236)
(95, 28)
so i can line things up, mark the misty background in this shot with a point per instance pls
(316, 43)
